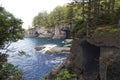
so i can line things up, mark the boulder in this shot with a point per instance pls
(58, 50)
(68, 45)
(68, 41)
(39, 48)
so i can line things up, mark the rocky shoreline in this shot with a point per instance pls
(57, 32)
(93, 58)
(54, 50)
(57, 50)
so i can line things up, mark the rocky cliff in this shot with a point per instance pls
(94, 58)
(93, 62)
(57, 32)
(41, 32)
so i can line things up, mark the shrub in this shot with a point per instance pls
(10, 72)
(65, 75)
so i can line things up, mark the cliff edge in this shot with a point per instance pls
(96, 57)
(57, 32)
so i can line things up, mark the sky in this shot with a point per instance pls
(28, 9)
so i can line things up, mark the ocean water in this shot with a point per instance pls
(37, 65)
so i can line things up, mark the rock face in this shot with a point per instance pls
(41, 32)
(91, 62)
(57, 32)
(96, 57)
(109, 57)
(45, 32)
(84, 60)
(113, 68)
(30, 32)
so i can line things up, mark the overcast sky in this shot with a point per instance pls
(27, 9)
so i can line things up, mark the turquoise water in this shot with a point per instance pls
(37, 65)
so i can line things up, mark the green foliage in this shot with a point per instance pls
(104, 34)
(57, 16)
(22, 53)
(95, 13)
(10, 27)
(10, 30)
(10, 72)
(3, 57)
(60, 15)
(85, 15)
(107, 19)
(69, 17)
(41, 19)
(65, 75)
(80, 26)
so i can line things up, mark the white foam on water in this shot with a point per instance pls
(55, 61)
(48, 47)
(63, 42)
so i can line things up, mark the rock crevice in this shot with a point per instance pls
(93, 60)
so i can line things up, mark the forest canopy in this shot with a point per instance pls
(10, 28)
(80, 12)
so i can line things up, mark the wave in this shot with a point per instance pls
(48, 47)
(57, 60)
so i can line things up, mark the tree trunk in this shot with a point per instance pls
(88, 18)
(98, 8)
(109, 7)
(95, 12)
(113, 5)
(119, 23)
(83, 9)
(105, 7)
(89, 11)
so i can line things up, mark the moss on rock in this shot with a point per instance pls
(108, 35)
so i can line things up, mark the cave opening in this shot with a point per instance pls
(67, 34)
(90, 60)
(36, 34)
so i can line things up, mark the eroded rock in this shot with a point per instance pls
(58, 50)
(68, 41)
(39, 48)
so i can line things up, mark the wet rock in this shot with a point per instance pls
(58, 50)
(68, 41)
(39, 48)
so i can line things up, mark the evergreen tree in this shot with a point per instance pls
(10, 31)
